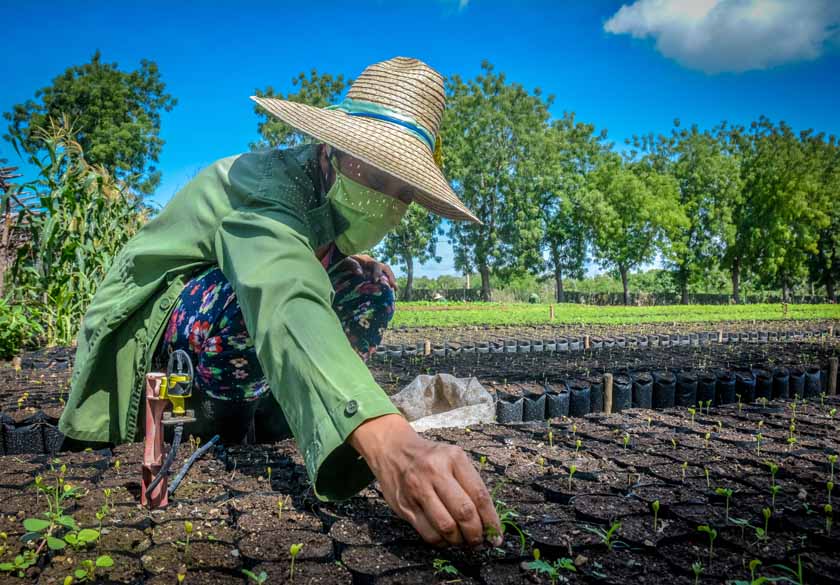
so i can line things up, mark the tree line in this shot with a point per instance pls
(757, 203)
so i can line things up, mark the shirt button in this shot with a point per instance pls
(164, 304)
(351, 408)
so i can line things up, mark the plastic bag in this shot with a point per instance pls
(442, 400)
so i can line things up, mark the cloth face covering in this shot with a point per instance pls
(371, 214)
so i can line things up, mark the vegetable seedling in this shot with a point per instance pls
(444, 566)
(182, 573)
(774, 490)
(674, 443)
(626, 440)
(708, 481)
(482, 462)
(551, 439)
(650, 421)
(754, 564)
(258, 579)
(692, 411)
(712, 536)
(578, 443)
(727, 493)
(606, 536)
(87, 571)
(294, 551)
(684, 467)
(655, 507)
(829, 513)
(829, 486)
(697, 568)
(832, 459)
(188, 530)
(268, 475)
(774, 469)
(767, 513)
(708, 406)
(706, 439)
(572, 470)
(758, 443)
(551, 570)
(20, 563)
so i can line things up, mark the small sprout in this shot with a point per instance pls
(188, 530)
(708, 481)
(692, 412)
(832, 412)
(541, 461)
(753, 566)
(650, 421)
(828, 518)
(684, 467)
(258, 579)
(551, 439)
(444, 566)
(708, 406)
(706, 439)
(738, 396)
(791, 441)
(758, 443)
(626, 440)
(712, 536)
(774, 469)
(294, 550)
(774, 491)
(117, 465)
(767, 513)
(68, 580)
(829, 486)
(727, 493)
(697, 568)
(673, 443)
(482, 462)
(182, 573)
(655, 507)
(552, 570)
(574, 429)
(572, 470)
(832, 459)
(606, 536)
(268, 474)
(720, 425)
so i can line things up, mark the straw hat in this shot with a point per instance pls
(390, 119)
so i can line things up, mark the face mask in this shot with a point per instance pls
(371, 214)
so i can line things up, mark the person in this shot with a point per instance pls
(256, 269)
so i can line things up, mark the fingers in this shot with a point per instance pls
(350, 265)
(462, 510)
(440, 519)
(424, 528)
(472, 484)
(392, 280)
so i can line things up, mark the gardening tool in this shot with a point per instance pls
(162, 390)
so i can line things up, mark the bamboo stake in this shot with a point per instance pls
(608, 393)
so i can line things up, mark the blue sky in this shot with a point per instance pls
(630, 69)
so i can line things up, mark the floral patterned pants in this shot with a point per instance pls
(207, 323)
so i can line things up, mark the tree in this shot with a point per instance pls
(414, 240)
(571, 154)
(318, 90)
(116, 115)
(824, 266)
(708, 179)
(632, 212)
(490, 127)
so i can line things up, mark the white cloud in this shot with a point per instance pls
(732, 35)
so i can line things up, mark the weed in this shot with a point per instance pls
(607, 536)
(507, 518)
(551, 570)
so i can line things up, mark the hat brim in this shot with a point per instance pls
(380, 144)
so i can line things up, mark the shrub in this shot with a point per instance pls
(17, 330)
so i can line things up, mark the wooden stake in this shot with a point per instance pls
(427, 347)
(608, 390)
(720, 335)
(551, 312)
(832, 376)
(586, 342)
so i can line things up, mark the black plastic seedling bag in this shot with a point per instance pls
(763, 384)
(706, 384)
(685, 391)
(781, 380)
(557, 401)
(725, 390)
(813, 385)
(745, 385)
(664, 389)
(622, 393)
(533, 408)
(642, 390)
(509, 408)
(797, 383)
(579, 391)
(596, 394)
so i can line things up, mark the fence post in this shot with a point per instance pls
(608, 392)
(586, 341)
(427, 347)
(551, 312)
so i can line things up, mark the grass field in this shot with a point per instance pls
(429, 314)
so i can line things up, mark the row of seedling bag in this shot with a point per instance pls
(659, 389)
(584, 342)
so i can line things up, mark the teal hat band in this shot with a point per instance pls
(376, 111)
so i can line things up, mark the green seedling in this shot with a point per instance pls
(551, 570)
(117, 466)
(507, 519)
(551, 439)
(674, 443)
(20, 563)
(626, 440)
(443, 566)
(791, 441)
(181, 574)
(650, 421)
(829, 513)
(107, 493)
(607, 536)
(798, 574)
(706, 438)
(754, 564)
(655, 507)
(578, 443)
(822, 399)
(86, 573)
(79, 540)
(188, 530)
(743, 524)
(712, 536)
(482, 462)
(574, 429)
(829, 486)
(708, 406)
(697, 568)
(738, 396)
(758, 438)
(282, 503)
(684, 466)
(774, 491)
(767, 513)
(708, 481)
(692, 412)
(720, 425)
(572, 470)
(774, 469)
(832, 459)
(294, 551)
(258, 579)
(268, 475)
(727, 493)
(831, 413)
(541, 461)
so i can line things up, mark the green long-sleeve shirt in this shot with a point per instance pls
(259, 216)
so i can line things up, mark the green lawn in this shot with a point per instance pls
(458, 314)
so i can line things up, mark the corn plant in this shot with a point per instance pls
(77, 217)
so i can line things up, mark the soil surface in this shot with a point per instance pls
(624, 465)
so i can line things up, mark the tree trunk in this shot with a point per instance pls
(683, 278)
(736, 281)
(829, 289)
(409, 278)
(485, 283)
(785, 289)
(623, 271)
(558, 280)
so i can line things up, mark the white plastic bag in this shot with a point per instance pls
(442, 400)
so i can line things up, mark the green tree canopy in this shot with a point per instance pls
(490, 128)
(414, 240)
(116, 117)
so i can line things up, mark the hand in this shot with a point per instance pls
(362, 264)
(432, 485)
